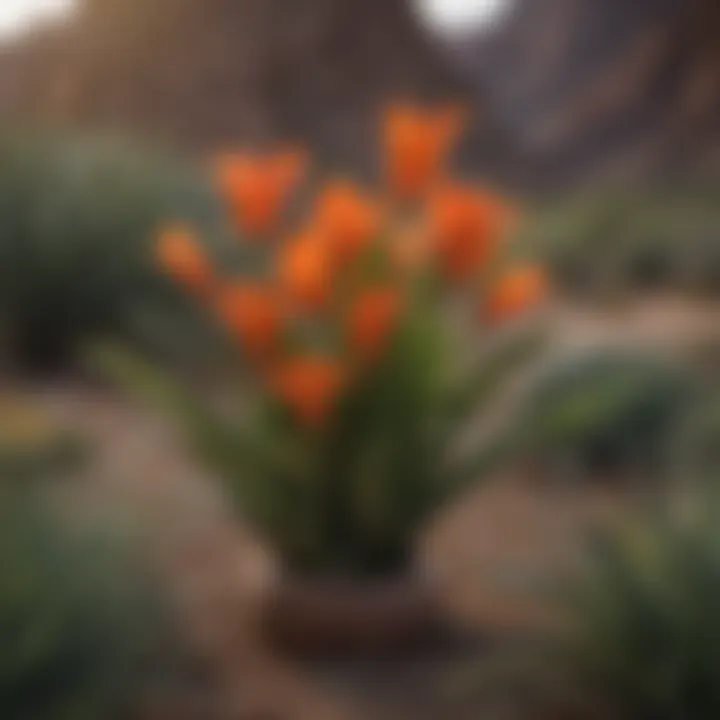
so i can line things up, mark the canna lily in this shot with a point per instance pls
(305, 270)
(417, 144)
(515, 293)
(257, 188)
(465, 227)
(373, 318)
(181, 256)
(310, 386)
(254, 313)
(348, 219)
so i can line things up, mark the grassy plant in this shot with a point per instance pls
(79, 627)
(612, 243)
(639, 637)
(78, 215)
(609, 413)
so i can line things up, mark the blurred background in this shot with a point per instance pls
(566, 91)
(125, 577)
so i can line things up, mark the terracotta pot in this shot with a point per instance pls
(350, 618)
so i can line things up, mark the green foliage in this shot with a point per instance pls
(353, 498)
(697, 445)
(610, 243)
(78, 218)
(608, 413)
(80, 629)
(640, 632)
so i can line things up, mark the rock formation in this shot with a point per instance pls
(605, 89)
(205, 73)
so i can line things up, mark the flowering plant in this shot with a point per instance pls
(359, 394)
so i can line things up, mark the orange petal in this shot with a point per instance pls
(417, 143)
(305, 271)
(180, 255)
(517, 292)
(466, 226)
(348, 219)
(254, 313)
(258, 187)
(373, 318)
(310, 386)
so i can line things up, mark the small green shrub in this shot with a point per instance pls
(80, 630)
(639, 633)
(77, 222)
(608, 413)
(612, 243)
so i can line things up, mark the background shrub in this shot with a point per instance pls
(609, 413)
(609, 243)
(641, 636)
(636, 633)
(80, 628)
(77, 218)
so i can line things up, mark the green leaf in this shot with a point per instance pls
(491, 373)
(479, 464)
(229, 445)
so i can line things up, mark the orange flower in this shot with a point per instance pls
(254, 313)
(466, 226)
(306, 270)
(180, 255)
(348, 219)
(515, 293)
(417, 143)
(310, 386)
(258, 187)
(372, 320)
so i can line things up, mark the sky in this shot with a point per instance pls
(445, 15)
(17, 15)
(454, 16)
